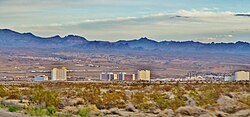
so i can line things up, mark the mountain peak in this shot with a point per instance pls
(144, 38)
(74, 37)
(7, 31)
(29, 34)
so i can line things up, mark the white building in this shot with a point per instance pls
(242, 75)
(59, 74)
(195, 78)
(107, 76)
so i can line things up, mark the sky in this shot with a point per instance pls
(112, 20)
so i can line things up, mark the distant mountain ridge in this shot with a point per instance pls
(12, 39)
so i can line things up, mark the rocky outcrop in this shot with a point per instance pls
(229, 105)
(241, 113)
(131, 108)
(190, 111)
(167, 113)
(70, 109)
(18, 103)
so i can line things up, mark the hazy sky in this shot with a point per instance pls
(198, 20)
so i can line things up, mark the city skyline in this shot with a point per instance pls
(112, 20)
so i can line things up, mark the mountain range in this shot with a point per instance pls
(13, 39)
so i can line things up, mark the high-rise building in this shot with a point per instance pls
(242, 75)
(121, 76)
(59, 74)
(115, 77)
(107, 76)
(143, 75)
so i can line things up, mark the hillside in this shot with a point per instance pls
(12, 39)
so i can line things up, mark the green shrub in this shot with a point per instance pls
(141, 101)
(50, 98)
(35, 111)
(161, 101)
(13, 108)
(166, 88)
(113, 99)
(176, 103)
(84, 112)
(209, 95)
(179, 99)
(63, 115)
(51, 110)
(178, 91)
(91, 95)
(3, 91)
(245, 100)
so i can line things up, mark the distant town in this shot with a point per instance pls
(60, 74)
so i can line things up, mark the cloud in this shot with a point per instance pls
(202, 25)
(193, 15)
(210, 14)
(216, 38)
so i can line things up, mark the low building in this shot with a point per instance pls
(59, 74)
(129, 77)
(242, 76)
(229, 78)
(41, 78)
(107, 76)
(195, 78)
(143, 75)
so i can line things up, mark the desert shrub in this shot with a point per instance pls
(13, 108)
(179, 99)
(178, 91)
(188, 87)
(63, 115)
(113, 99)
(3, 91)
(245, 100)
(1, 105)
(161, 101)
(209, 95)
(176, 102)
(14, 95)
(141, 101)
(91, 95)
(195, 96)
(35, 111)
(51, 110)
(48, 97)
(166, 88)
(84, 112)
(156, 88)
